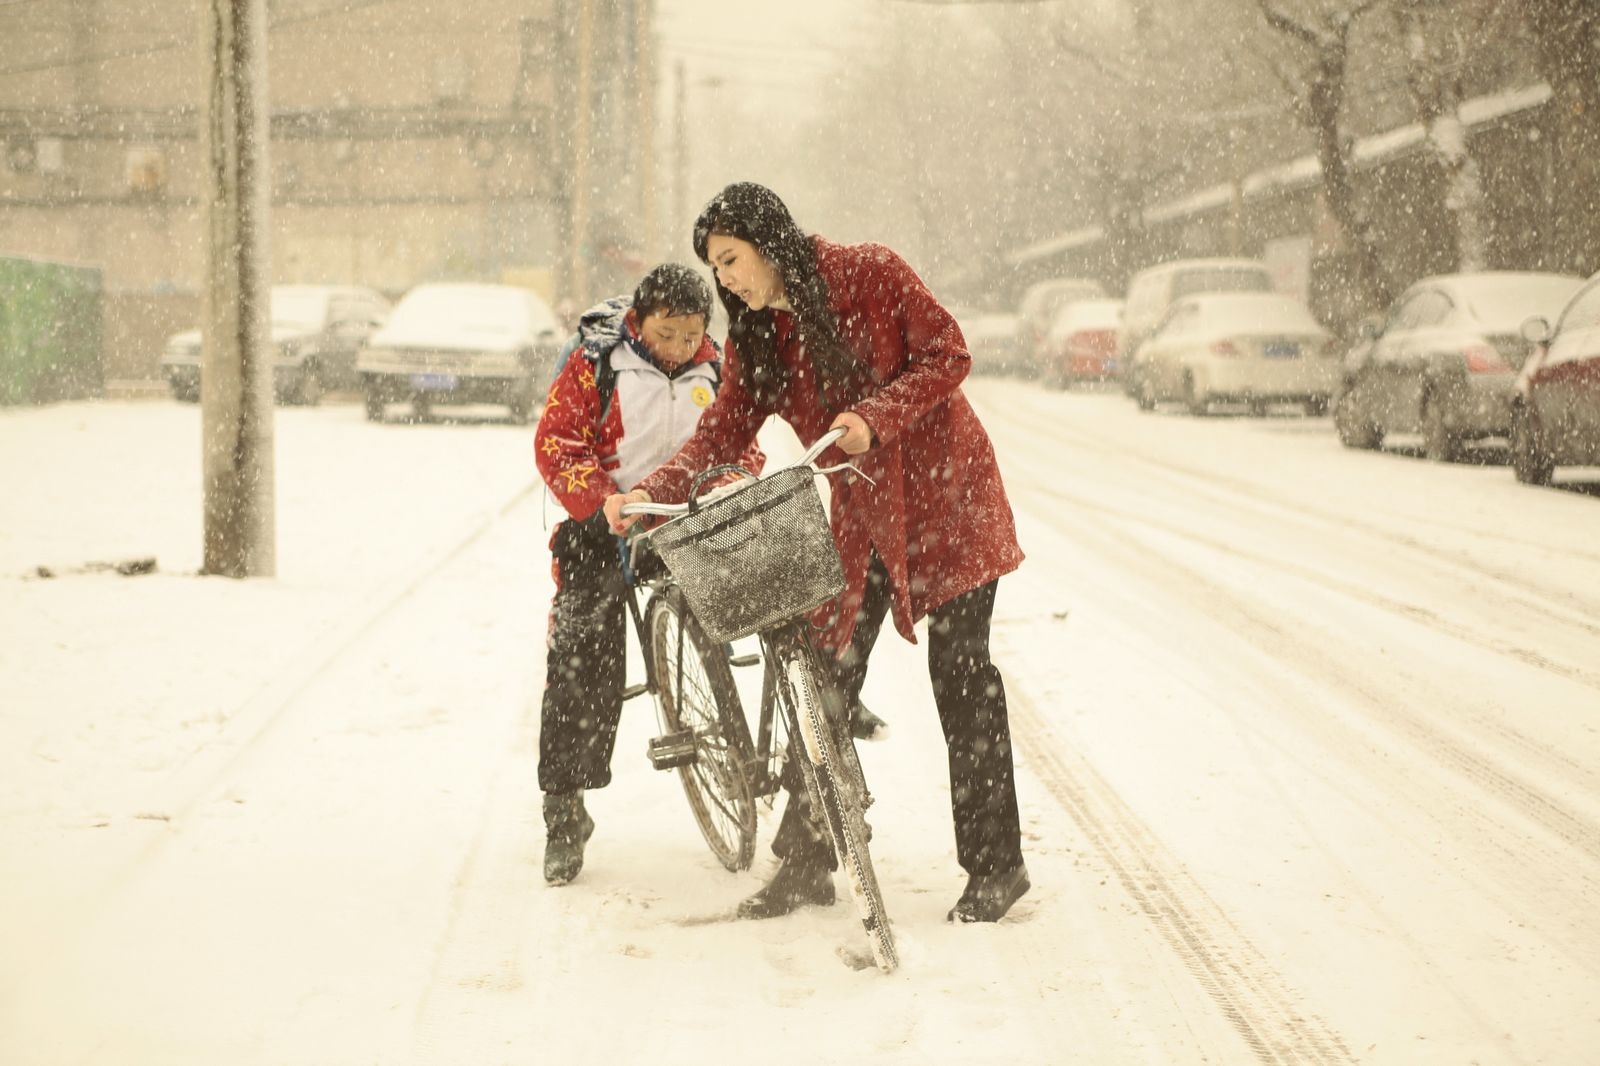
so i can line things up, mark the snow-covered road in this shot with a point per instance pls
(1307, 740)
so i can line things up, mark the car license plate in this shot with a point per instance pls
(433, 382)
(1280, 350)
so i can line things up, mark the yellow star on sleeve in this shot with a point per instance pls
(578, 476)
(550, 445)
(552, 400)
(586, 379)
(588, 433)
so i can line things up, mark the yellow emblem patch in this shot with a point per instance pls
(700, 395)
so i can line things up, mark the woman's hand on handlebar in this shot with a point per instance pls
(613, 509)
(857, 434)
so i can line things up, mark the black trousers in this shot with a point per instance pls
(971, 700)
(585, 664)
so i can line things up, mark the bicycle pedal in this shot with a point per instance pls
(673, 750)
(744, 660)
(634, 690)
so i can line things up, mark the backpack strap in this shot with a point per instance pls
(605, 381)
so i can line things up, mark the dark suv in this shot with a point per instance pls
(316, 331)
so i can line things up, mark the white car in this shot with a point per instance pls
(1153, 291)
(1038, 308)
(992, 341)
(1255, 348)
(317, 331)
(1082, 343)
(460, 344)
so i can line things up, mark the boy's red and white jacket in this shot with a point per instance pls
(586, 453)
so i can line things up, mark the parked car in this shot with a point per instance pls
(1555, 412)
(1444, 362)
(317, 331)
(461, 344)
(991, 340)
(1153, 291)
(1258, 348)
(1082, 342)
(1040, 304)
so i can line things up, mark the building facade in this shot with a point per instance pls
(412, 140)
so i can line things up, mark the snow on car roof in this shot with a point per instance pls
(505, 310)
(1504, 299)
(1087, 314)
(1201, 264)
(987, 324)
(1252, 312)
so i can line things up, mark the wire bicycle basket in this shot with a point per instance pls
(757, 557)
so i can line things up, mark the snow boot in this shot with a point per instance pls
(567, 827)
(864, 725)
(987, 897)
(801, 881)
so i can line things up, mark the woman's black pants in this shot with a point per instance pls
(971, 700)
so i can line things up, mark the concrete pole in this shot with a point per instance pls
(236, 372)
(645, 72)
(681, 221)
(579, 276)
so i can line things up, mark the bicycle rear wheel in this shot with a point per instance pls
(839, 789)
(696, 693)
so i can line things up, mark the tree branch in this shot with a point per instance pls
(1286, 25)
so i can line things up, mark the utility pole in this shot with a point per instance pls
(645, 74)
(578, 284)
(680, 154)
(236, 371)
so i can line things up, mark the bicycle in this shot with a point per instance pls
(754, 558)
(705, 736)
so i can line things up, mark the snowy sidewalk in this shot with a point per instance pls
(210, 786)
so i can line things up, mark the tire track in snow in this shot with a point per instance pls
(1532, 800)
(1555, 759)
(1232, 610)
(1254, 999)
(1521, 859)
(1222, 488)
(1558, 760)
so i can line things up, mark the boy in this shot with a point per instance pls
(630, 390)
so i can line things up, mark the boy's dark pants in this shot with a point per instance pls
(971, 699)
(585, 665)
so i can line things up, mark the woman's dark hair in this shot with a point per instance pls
(672, 289)
(751, 212)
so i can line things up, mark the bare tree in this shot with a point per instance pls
(1566, 38)
(1321, 37)
(1437, 35)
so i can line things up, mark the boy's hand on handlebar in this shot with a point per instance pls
(613, 509)
(857, 436)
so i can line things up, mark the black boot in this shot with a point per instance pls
(864, 725)
(567, 827)
(801, 881)
(988, 896)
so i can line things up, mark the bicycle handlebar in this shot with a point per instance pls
(672, 510)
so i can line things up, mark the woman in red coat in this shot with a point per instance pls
(827, 335)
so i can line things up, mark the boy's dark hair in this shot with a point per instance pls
(672, 289)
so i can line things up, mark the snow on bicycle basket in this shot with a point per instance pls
(757, 557)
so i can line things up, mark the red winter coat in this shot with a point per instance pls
(938, 514)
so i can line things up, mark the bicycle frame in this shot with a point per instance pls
(796, 679)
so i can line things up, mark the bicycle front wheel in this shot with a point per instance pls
(840, 790)
(697, 694)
